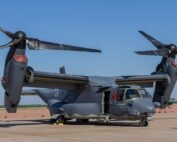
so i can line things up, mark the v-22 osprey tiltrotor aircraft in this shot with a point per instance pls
(88, 97)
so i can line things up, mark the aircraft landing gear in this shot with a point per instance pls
(143, 122)
(60, 119)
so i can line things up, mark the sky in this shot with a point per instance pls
(111, 26)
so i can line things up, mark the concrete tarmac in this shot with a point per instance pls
(162, 128)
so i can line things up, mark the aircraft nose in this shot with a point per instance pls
(150, 109)
(145, 106)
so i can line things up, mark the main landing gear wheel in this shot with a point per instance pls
(143, 122)
(60, 119)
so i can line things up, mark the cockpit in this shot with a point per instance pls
(144, 93)
(131, 93)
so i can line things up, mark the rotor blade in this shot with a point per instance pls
(9, 34)
(161, 52)
(36, 44)
(154, 41)
(6, 45)
(15, 41)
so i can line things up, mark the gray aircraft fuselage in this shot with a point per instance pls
(92, 103)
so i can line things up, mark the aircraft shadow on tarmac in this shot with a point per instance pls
(13, 123)
(121, 124)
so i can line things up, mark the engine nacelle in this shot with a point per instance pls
(164, 90)
(14, 80)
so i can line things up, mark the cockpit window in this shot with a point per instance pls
(144, 93)
(132, 93)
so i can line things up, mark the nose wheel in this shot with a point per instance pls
(143, 122)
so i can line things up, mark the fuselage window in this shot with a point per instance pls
(120, 94)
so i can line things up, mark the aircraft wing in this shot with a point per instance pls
(55, 80)
(143, 80)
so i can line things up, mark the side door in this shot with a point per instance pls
(117, 105)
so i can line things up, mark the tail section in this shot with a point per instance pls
(62, 70)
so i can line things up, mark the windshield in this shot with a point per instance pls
(132, 93)
(144, 94)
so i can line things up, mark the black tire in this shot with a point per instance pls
(143, 122)
(60, 119)
(146, 123)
